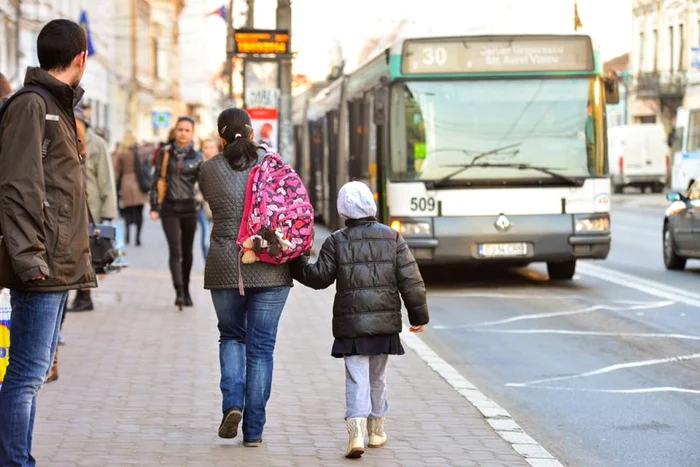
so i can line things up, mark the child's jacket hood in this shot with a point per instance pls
(356, 201)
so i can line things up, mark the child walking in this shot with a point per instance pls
(371, 265)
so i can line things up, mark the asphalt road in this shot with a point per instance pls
(603, 371)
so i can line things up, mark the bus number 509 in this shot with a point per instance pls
(422, 204)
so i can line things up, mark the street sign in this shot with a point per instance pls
(495, 54)
(161, 118)
(262, 98)
(262, 41)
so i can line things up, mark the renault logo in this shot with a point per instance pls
(502, 224)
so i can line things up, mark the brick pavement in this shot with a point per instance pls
(138, 385)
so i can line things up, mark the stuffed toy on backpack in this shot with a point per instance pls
(278, 219)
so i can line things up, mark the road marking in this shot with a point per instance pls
(496, 416)
(622, 391)
(643, 285)
(460, 294)
(651, 335)
(632, 306)
(608, 369)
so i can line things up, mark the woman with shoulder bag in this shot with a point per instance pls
(173, 201)
(247, 322)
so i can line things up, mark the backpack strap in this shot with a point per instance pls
(30, 88)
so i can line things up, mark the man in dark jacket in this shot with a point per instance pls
(45, 248)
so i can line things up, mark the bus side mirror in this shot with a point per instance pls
(612, 90)
(674, 196)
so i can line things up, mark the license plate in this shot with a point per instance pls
(495, 250)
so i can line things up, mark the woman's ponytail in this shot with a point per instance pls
(235, 128)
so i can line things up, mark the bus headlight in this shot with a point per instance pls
(411, 227)
(592, 224)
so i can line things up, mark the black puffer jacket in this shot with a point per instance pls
(372, 265)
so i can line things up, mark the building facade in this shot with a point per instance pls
(199, 29)
(99, 77)
(9, 50)
(664, 34)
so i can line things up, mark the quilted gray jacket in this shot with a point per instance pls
(224, 189)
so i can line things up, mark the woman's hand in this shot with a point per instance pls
(154, 215)
(420, 328)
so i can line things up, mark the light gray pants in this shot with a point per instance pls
(365, 386)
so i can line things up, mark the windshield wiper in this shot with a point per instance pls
(463, 167)
(549, 171)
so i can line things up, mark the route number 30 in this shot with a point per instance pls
(434, 56)
(422, 204)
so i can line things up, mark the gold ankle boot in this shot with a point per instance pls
(357, 428)
(377, 435)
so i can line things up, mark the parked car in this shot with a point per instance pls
(681, 233)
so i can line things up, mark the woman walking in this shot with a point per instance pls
(247, 323)
(131, 197)
(173, 201)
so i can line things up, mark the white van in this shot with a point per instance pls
(638, 156)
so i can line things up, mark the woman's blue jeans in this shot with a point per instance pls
(205, 226)
(248, 333)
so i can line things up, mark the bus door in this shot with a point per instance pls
(316, 178)
(380, 116)
(333, 140)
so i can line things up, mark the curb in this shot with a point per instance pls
(496, 416)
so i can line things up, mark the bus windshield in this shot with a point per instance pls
(439, 126)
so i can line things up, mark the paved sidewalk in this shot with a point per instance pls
(138, 385)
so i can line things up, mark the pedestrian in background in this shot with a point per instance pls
(173, 201)
(131, 198)
(247, 323)
(101, 190)
(371, 266)
(45, 250)
(5, 89)
(210, 148)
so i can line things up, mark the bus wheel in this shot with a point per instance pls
(561, 271)
(657, 188)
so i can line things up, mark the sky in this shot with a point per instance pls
(317, 24)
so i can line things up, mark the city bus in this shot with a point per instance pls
(488, 148)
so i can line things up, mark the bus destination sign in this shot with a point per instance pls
(500, 54)
(261, 41)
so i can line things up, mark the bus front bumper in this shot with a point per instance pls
(528, 239)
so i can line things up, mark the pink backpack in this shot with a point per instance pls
(278, 219)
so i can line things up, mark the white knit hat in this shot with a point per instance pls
(356, 201)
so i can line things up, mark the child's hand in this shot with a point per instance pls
(420, 328)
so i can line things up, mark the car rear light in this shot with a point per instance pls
(621, 162)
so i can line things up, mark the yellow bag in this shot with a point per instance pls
(162, 186)
(5, 310)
